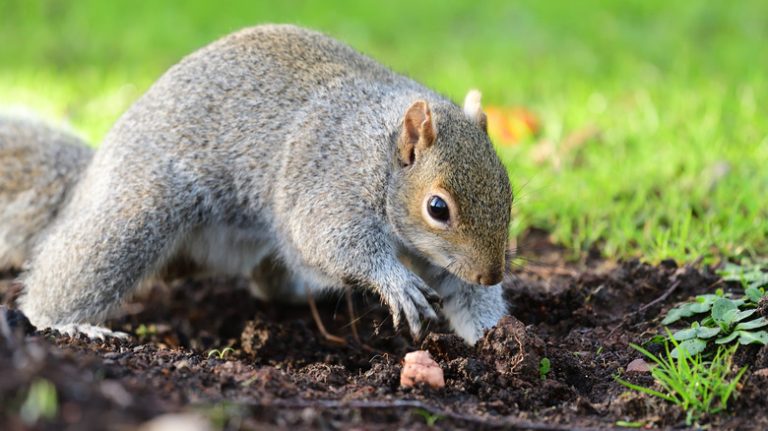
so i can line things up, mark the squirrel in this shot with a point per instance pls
(39, 166)
(283, 153)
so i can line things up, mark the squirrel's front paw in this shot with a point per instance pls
(414, 299)
(91, 331)
(471, 309)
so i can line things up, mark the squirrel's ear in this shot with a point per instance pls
(418, 132)
(474, 110)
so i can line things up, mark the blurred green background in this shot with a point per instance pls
(654, 138)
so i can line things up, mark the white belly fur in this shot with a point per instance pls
(226, 250)
(231, 251)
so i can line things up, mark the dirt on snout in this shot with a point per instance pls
(207, 349)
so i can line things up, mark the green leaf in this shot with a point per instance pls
(741, 315)
(753, 293)
(627, 424)
(759, 337)
(685, 334)
(729, 316)
(731, 272)
(709, 298)
(752, 324)
(723, 310)
(692, 347)
(707, 332)
(759, 286)
(735, 315)
(727, 339)
(698, 307)
(752, 274)
(673, 316)
(686, 310)
(544, 367)
(758, 280)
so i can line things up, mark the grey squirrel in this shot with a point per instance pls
(281, 153)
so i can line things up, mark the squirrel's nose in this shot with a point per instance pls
(489, 278)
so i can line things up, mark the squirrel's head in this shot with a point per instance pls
(450, 197)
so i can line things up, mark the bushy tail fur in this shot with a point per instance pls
(39, 166)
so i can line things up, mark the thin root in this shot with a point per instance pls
(319, 322)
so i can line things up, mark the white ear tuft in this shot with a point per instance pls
(472, 106)
(474, 110)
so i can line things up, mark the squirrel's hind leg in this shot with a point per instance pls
(99, 250)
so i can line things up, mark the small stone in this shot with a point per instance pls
(762, 372)
(181, 364)
(419, 367)
(638, 366)
(177, 421)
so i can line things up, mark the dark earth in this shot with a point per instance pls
(281, 372)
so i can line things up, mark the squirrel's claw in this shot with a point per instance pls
(415, 303)
(434, 298)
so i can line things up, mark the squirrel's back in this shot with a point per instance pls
(255, 103)
(310, 61)
(39, 165)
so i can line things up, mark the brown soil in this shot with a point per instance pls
(283, 373)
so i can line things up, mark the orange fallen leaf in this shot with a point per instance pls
(509, 125)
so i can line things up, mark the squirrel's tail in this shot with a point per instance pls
(39, 166)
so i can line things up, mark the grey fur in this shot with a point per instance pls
(284, 142)
(39, 165)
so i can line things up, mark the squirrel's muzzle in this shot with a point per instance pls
(489, 277)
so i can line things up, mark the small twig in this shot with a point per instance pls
(645, 307)
(353, 325)
(352, 318)
(334, 338)
(319, 322)
(661, 298)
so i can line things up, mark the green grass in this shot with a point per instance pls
(676, 89)
(42, 402)
(699, 387)
(220, 354)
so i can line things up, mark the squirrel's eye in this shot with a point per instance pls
(438, 209)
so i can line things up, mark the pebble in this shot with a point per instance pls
(419, 367)
(638, 366)
(177, 421)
